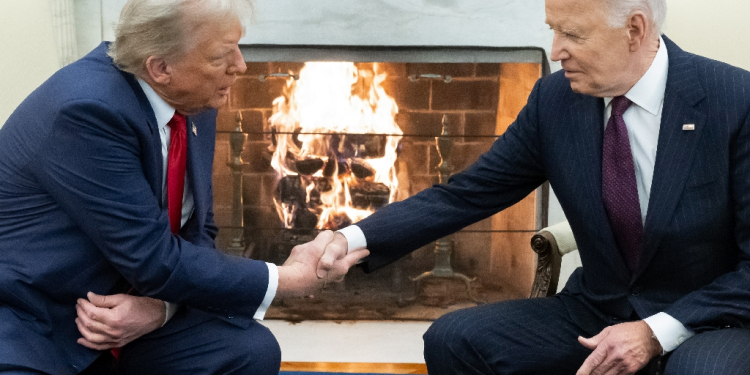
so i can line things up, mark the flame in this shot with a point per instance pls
(336, 142)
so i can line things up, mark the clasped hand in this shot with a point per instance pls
(313, 265)
(112, 321)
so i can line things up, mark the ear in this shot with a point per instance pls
(158, 70)
(639, 28)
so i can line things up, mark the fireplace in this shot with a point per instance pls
(291, 162)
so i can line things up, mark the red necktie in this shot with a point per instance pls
(619, 186)
(175, 178)
(176, 170)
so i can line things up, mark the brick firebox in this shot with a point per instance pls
(481, 100)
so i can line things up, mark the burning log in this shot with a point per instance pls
(308, 167)
(369, 195)
(337, 221)
(361, 169)
(330, 168)
(290, 190)
(305, 219)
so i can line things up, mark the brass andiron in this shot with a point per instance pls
(444, 246)
(237, 143)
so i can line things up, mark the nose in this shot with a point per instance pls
(238, 65)
(559, 52)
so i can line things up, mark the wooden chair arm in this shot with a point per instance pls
(547, 264)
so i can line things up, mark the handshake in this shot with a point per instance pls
(312, 265)
(113, 321)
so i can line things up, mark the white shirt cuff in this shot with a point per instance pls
(273, 284)
(171, 309)
(668, 330)
(354, 237)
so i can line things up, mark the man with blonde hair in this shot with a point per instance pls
(106, 222)
(647, 148)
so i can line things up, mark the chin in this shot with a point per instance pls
(580, 88)
(218, 102)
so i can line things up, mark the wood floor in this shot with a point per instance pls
(356, 368)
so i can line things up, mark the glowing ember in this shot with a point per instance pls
(336, 145)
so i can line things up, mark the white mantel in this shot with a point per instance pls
(495, 23)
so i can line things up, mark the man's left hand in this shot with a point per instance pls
(621, 349)
(107, 322)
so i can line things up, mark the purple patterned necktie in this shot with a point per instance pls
(619, 189)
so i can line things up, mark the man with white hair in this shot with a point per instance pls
(106, 210)
(647, 148)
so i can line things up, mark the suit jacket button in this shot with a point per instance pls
(73, 369)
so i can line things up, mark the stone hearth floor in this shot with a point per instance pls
(363, 297)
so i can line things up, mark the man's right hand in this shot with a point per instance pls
(298, 276)
(335, 250)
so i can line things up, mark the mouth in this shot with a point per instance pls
(224, 91)
(571, 73)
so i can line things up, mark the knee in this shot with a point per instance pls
(256, 352)
(251, 351)
(451, 333)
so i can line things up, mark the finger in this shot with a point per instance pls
(104, 301)
(88, 309)
(321, 241)
(92, 325)
(342, 266)
(103, 315)
(594, 341)
(335, 250)
(590, 364)
(353, 258)
(92, 337)
(593, 362)
(94, 346)
(589, 343)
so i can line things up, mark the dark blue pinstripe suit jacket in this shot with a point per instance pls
(696, 255)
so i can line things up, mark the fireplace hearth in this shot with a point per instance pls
(299, 174)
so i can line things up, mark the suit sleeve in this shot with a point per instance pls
(504, 175)
(726, 301)
(210, 230)
(91, 166)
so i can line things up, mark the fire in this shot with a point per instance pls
(336, 144)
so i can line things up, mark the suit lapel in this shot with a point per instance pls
(193, 167)
(676, 148)
(587, 118)
(155, 173)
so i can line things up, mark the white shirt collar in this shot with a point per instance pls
(648, 92)
(162, 111)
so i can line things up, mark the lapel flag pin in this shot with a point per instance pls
(684, 127)
(195, 130)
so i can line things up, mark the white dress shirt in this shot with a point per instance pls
(642, 120)
(163, 113)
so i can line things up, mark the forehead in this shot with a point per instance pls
(574, 13)
(217, 32)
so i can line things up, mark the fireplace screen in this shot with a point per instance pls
(320, 138)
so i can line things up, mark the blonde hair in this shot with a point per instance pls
(619, 10)
(164, 28)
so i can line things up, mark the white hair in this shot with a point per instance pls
(619, 10)
(164, 28)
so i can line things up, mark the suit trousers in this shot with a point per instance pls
(15, 370)
(540, 337)
(197, 342)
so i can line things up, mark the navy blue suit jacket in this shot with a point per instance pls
(695, 263)
(81, 210)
